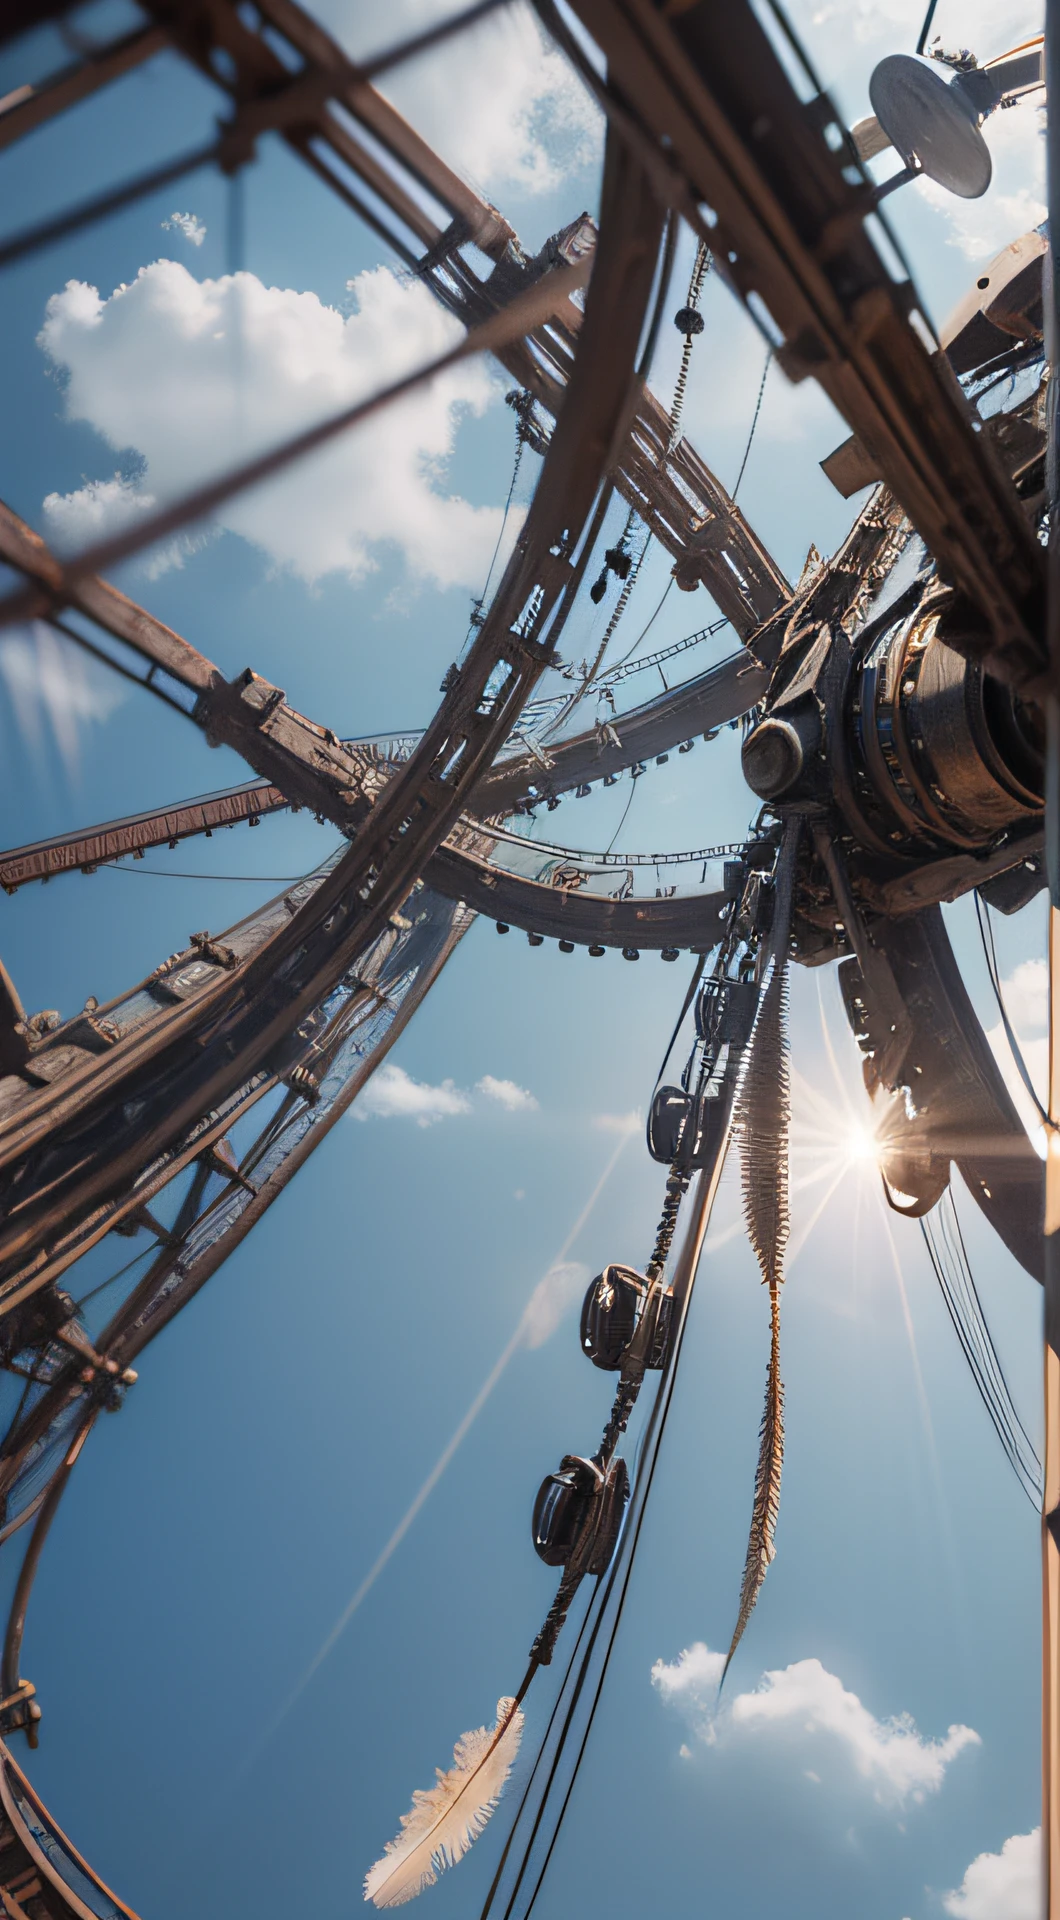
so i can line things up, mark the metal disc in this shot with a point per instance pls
(930, 125)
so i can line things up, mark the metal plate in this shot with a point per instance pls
(930, 125)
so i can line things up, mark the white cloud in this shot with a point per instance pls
(691, 1682)
(894, 24)
(507, 1094)
(804, 1706)
(630, 1122)
(499, 103)
(53, 686)
(197, 375)
(552, 1299)
(102, 507)
(1014, 202)
(1002, 1886)
(392, 1093)
(189, 225)
(1026, 996)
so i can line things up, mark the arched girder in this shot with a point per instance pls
(589, 919)
(148, 1092)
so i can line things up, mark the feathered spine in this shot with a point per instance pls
(445, 1820)
(761, 1545)
(764, 1115)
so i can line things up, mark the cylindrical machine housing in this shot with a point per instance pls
(944, 752)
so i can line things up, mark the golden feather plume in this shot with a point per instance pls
(446, 1819)
(761, 1545)
(764, 1114)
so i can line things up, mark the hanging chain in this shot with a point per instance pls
(690, 321)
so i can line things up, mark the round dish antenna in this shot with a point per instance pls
(931, 124)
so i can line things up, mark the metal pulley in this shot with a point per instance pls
(685, 1130)
(612, 1312)
(578, 1514)
(725, 1012)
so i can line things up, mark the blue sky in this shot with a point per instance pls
(218, 1526)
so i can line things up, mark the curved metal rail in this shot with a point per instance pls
(587, 919)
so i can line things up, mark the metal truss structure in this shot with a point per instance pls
(892, 702)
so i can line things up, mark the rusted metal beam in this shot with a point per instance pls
(28, 107)
(672, 488)
(703, 89)
(690, 920)
(24, 550)
(308, 764)
(709, 701)
(161, 826)
(304, 759)
(108, 1118)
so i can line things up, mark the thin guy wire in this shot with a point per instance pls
(986, 934)
(754, 423)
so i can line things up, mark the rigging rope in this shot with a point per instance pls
(618, 1579)
(477, 606)
(622, 822)
(945, 1244)
(644, 630)
(986, 934)
(703, 262)
(754, 423)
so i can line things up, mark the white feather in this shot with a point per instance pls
(445, 1819)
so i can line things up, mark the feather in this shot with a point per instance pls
(763, 1115)
(445, 1819)
(761, 1545)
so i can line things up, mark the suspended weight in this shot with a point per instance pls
(611, 1314)
(578, 1514)
(725, 1011)
(685, 1130)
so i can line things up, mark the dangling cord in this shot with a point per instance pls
(704, 259)
(754, 423)
(477, 605)
(628, 585)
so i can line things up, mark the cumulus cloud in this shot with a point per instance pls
(499, 103)
(507, 1094)
(189, 225)
(562, 1287)
(630, 1122)
(896, 23)
(55, 690)
(808, 1711)
(1026, 995)
(1002, 1886)
(103, 507)
(392, 1093)
(1015, 200)
(194, 376)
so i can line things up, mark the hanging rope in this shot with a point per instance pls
(628, 585)
(754, 423)
(690, 321)
(763, 1117)
(986, 934)
(949, 1257)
